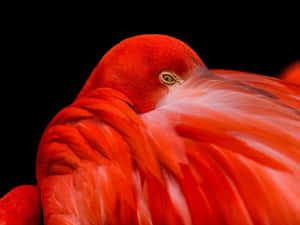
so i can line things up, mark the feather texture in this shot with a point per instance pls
(21, 206)
(226, 151)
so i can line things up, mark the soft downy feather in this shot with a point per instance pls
(235, 138)
(220, 149)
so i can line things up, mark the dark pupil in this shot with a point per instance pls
(168, 78)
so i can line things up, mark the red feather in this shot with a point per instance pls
(221, 148)
(225, 152)
(21, 206)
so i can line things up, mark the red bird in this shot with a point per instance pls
(154, 137)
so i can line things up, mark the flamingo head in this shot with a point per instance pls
(144, 68)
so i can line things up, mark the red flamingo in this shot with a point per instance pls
(155, 137)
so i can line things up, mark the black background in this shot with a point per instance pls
(45, 67)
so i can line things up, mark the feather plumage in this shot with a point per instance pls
(225, 151)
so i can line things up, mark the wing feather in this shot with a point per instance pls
(221, 149)
(240, 135)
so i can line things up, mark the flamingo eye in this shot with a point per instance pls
(167, 77)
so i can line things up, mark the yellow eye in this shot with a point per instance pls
(167, 77)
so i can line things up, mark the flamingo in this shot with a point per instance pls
(155, 137)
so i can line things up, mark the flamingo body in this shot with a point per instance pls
(218, 147)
